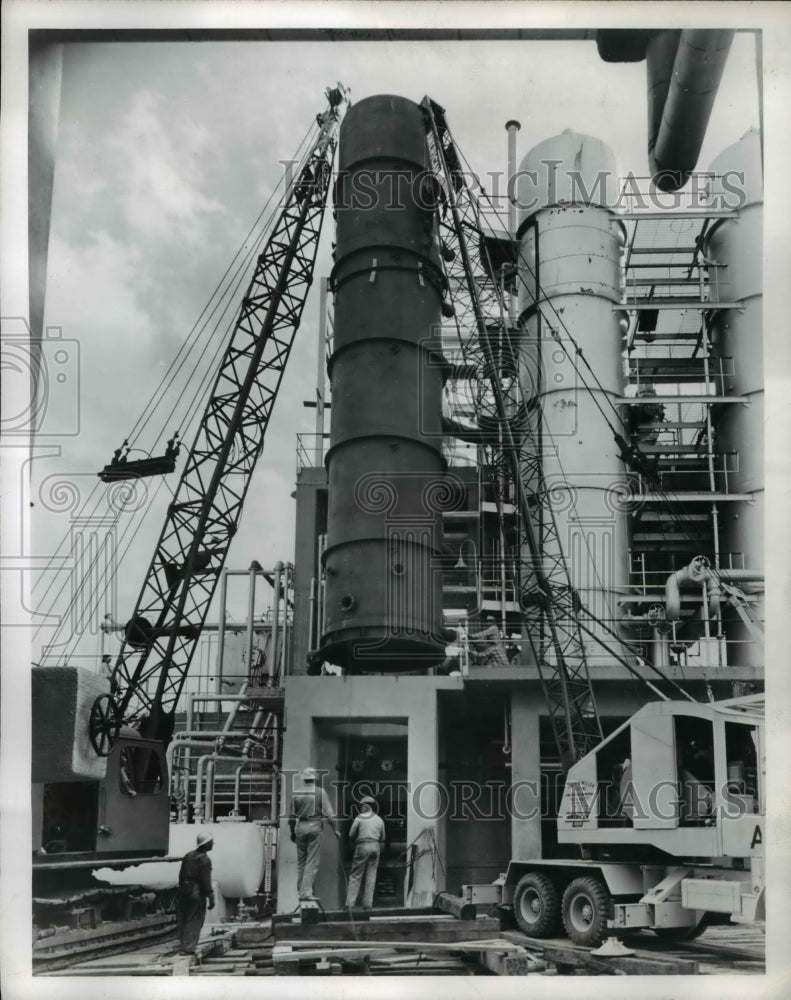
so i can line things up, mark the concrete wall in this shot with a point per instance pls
(469, 850)
(313, 701)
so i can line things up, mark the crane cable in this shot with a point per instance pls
(203, 319)
(618, 438)
(168, 378)
(666, 496)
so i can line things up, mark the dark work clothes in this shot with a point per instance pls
(193, 892)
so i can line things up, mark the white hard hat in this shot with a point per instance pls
(309, 774)
(205, 838)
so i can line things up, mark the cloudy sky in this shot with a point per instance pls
(166, 154)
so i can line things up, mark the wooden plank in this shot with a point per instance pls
(513, 961)
(563, 952)
(251, 934)
(474, 945)
(182, 964)
(443, 930)
(457, 906)
(287, 962)
(359, 914)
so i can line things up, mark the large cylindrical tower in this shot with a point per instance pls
(387, 485)
(569, 280)
(737, 336)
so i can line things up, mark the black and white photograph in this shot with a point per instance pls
(389, 410)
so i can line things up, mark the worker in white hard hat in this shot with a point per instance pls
(194, 892)
(368, 835)
(310, 806)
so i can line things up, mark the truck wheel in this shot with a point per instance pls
(586, 908)
(537, 905)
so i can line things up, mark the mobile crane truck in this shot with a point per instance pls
(666, 819)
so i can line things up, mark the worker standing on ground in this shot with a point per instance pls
(368, 835)
(194, 891)
(309, 807)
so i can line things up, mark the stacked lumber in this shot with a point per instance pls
(419, 945)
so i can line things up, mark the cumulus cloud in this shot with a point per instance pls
(160, 151)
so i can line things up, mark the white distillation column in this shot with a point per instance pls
(737, 336)
(570, 247)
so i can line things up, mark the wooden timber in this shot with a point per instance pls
(432, 929)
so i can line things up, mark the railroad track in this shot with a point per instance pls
(70, 948)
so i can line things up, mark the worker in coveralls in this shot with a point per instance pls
(193, 892)
(309, 807)
(487, 646)
(368, 835)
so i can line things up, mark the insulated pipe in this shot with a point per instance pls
(275, 621)
(221, 628)
(254, 569)
(211, 767)
(203, 762)
(512, 127)
(285, 658)
(674, 141)
(696, 574)
(186, 745)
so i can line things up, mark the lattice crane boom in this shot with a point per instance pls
(548, 600)
(202, 519)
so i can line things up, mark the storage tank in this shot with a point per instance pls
(737, 338)
(383, 597)
(570, 244)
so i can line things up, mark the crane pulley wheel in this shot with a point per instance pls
(104, 724)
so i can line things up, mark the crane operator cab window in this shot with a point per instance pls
(741, 754)
(614, 781)
(694, 739)
(139, 771)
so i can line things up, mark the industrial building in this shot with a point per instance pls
(532, 506)
(655, 304)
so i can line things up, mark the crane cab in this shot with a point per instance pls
(682, 778)
(124, 814)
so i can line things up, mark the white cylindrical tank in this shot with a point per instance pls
(237, 859)
(570, 245)
(737, 338)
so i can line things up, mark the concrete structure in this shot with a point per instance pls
(464, 767)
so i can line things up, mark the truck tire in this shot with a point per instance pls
(587, 906)
(537, 905)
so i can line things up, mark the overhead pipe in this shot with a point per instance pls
(512, 127)
(221, 629)
(205, 761)
(275, 622)
(697, 574)
(677, 129)
(254, 569)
